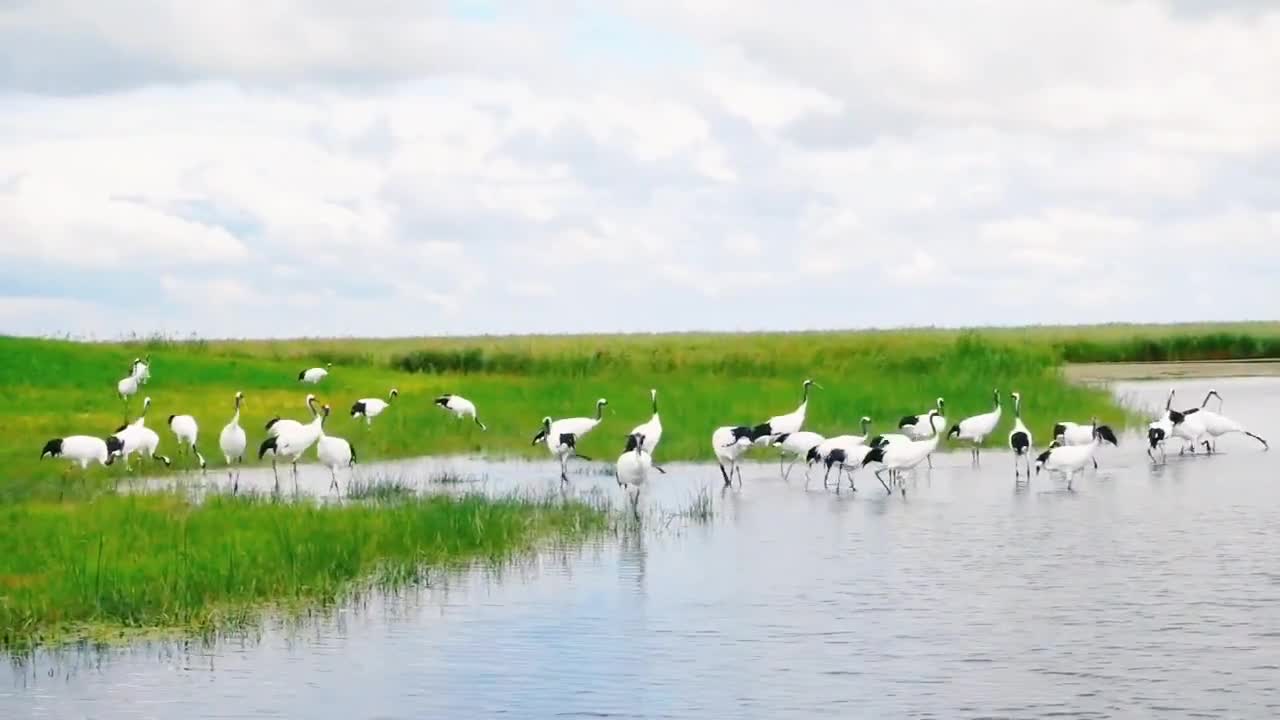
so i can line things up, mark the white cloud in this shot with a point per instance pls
(399, 167)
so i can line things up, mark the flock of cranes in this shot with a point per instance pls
(285, 438)
(1073, 446)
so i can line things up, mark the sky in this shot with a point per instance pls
(431, 167)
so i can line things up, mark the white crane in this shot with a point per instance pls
(918, 427)
(844, 443)
(141, 369)
(127, 388)
(1158, 431)
(888, 439)
(1075, 434)
(370, 408)
(82, 450)
(138, 438)
(651, 431)
(838, 441)
(1070, 459)
(232, 441)
(186, 430)
(1188, 426)
(632, 469)
(460, 407)
(290, 439)
(315, 374)
(897, 457)
(1218, 424)
(562, 436)
(1019, 437)
(797, 445)
(333, 452)
(847, 458)
(730, 443)
(975, 429)
(788, 423)
(277, 424)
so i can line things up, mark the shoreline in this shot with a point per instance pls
(1161, 370)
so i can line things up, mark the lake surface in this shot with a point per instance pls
(1146, 592)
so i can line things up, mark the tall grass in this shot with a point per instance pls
(156, 561)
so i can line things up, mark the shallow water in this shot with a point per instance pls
(1149, 591)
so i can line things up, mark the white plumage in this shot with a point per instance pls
(632, 469)
(290, 439)
(730, 443)
(975, 429)
(186, 430)
(127, 387)
(897, 457)
(1188, 426)
(83, 450)
(333, 452)
(840, 450)
(1218, 425)
(847, 457)
(460, 407)
(136, 437)
(277, 425)
(370, 408)
(916, 427)
(788, 423)
(1069, 434)
(315, 374)
(841, 442)
(650, 431)
(562, 436)
(1070, 459)
(798, 445)
(1020, 441)
(889, 439)
(141, 369)
(233, 441)
(1158, 431)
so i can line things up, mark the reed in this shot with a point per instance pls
(157, 561)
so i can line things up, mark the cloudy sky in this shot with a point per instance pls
(398, 167)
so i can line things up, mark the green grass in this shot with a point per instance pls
(99, 560)
(59, 387)
(120, 563)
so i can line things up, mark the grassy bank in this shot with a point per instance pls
(139, 562)
(62, 388)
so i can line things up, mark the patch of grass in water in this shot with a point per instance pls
(380, 489)
(118, 565)
(449, 477)
(701, 508)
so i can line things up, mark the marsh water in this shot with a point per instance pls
(1148, 591)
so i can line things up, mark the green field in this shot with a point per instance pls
(75, 554)
(704, 381)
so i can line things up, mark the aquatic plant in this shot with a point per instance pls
(158, 561)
